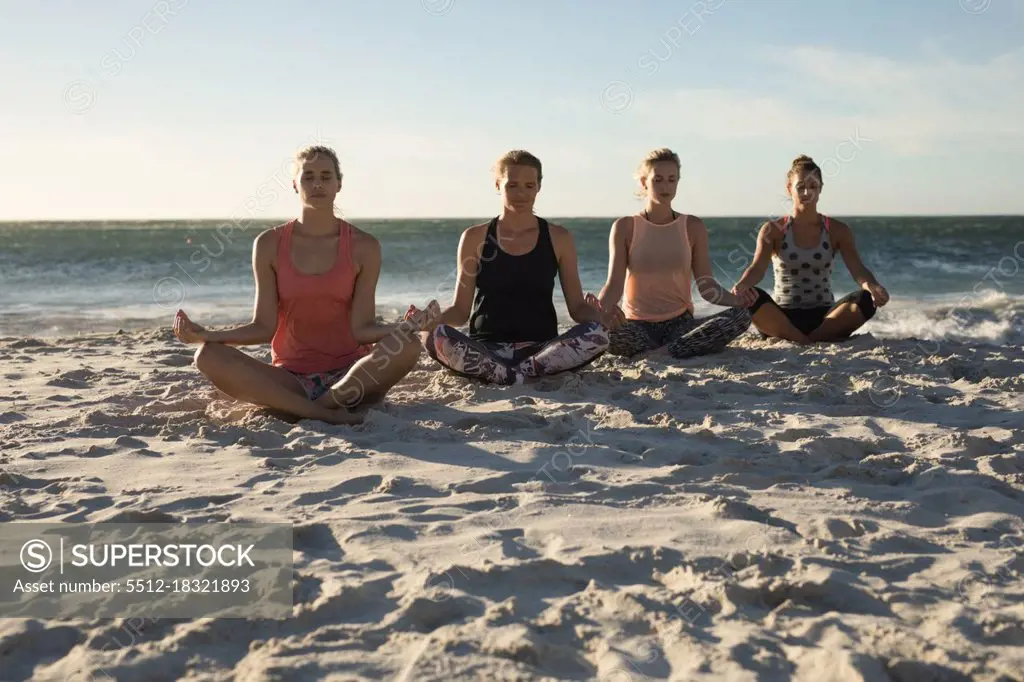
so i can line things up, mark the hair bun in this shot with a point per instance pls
(802, 159)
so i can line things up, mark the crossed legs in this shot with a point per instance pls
(507, 363)
(685, 336)
(252, 381)
(846, 316)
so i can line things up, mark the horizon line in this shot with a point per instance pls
(284, 219)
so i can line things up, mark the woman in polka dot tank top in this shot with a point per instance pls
(802, 248)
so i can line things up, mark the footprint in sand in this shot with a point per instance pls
(96, 451)
(1006, 465)
(142, 516)
(316, 541)
(725, 508)
(28, 343)
(819, 588)
(383, 533)
(175, 361)
(200, 502)
(673, 455)
(794, 434)
(840, 448)
(130, 442)
(360, 485)
(835, 528)
(76, 378)
(500, 483)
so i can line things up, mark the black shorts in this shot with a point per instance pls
(809, 319)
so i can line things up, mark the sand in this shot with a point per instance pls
(840, 512)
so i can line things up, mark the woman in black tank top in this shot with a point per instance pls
(505, 289)
(514, 294)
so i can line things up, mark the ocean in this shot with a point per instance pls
(956, 278)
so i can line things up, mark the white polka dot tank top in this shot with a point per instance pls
(803, 277)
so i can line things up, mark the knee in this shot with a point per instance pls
(207, 356)
(740, 320)
(434, 338)
(866, 304)
(412, 348)
(404, 347)
(762, 298)
(439, 332)
(597, 333)
(740, 315)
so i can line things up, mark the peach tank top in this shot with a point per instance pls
(658, 271)
(314, 312)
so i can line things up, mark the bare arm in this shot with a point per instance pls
(264, 317)
(847, 248)
(470, 248)
(611, 292)
(365, 329)
(569, 276)
(762, 258)
(700, 260)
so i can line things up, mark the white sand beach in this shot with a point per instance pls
(841, 512)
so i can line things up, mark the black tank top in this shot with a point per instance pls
(513, 299)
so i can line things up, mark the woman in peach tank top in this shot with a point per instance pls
(653, 256)
(316, 278)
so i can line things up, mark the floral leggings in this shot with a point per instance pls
(685, 336)
(510, 363)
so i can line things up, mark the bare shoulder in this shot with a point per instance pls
(839, 232)
(696, 230)
(471, 244)
(362, 238)
(773, 228)
(623, 225)
(264, 246)
(267, 237)
(839, 226)
(364, 245)
(693, 222)
(475, 233)
(559, 232)
(561, 240)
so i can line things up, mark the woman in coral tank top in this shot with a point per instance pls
(316, 279)
(653, 256)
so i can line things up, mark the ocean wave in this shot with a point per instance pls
(990, 318)
(950, 268)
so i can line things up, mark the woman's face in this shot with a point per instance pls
(805, 189)
(317, 182)
(518, 187)
(661, 182)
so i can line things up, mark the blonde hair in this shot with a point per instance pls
(517, 157)
(647, 165)
(311, 152)
(803, 165)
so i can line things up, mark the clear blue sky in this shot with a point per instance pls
(192, 108)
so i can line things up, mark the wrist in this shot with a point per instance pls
(404, 329)
(731, 300)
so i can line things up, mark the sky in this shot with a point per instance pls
(183, 109)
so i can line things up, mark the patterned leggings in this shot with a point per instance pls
(509, 363)
(685, 335)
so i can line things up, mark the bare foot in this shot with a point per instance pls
(344, 416)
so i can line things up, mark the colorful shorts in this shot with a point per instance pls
(315, 384)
